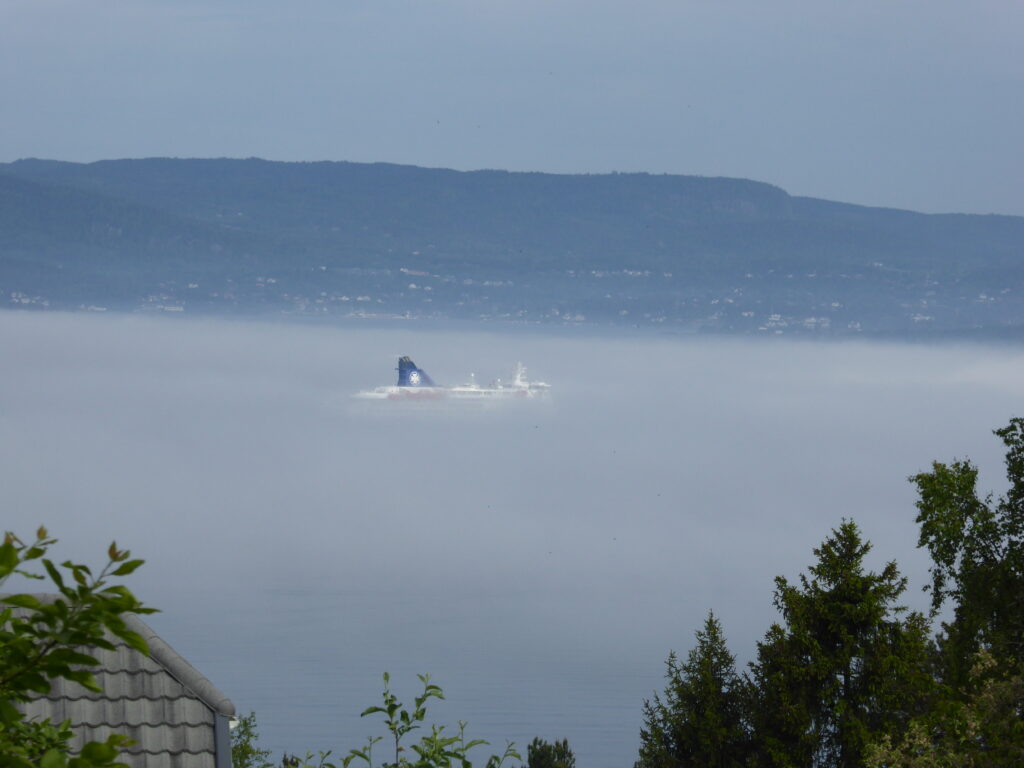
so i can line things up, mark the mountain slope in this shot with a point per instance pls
(336, 228)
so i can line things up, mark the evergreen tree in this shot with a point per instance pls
(541, 754)
(699, 721)
(783, 721)
(844, 667)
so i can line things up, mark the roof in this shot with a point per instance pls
(161, 702)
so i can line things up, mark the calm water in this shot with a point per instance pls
(539, 560)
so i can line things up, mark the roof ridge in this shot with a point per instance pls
(128, 672)
(92, 696)
(137, 723)
(132, 672)
(176, 665)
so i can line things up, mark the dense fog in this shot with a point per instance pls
(540, 559)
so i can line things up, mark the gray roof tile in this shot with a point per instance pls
(123, 685)
(167, 760)
(118, 712)
(173, 739)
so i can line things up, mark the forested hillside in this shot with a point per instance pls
(384, 240)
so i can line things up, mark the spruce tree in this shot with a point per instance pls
(844, 666)
(699, 720)
(542, 754)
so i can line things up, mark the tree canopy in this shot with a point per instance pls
(977, 550)
(700, 720)
(845, 665)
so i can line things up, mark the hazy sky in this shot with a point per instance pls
(914, 104)
(540, 560)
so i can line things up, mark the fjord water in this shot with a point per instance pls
(538, 559)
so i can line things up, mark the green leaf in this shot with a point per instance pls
(99, 752)
(8, 559)
(71, 656)
(135, 640)
(33, 681)
(125, 568)
(77, 567)
(84, 679)
(23, 601)
(54, 574)
(9, 713)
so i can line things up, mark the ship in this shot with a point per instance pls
(415, 384)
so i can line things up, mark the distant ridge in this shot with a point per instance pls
(696, 253)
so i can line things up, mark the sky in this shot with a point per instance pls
(540, 560)
(910, 104)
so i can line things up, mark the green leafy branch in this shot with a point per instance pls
(437, 749)
(44, 639)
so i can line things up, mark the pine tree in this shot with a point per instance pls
(699, 720)
(844, 667)
(542, 754)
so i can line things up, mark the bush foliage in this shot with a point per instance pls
(42, 640)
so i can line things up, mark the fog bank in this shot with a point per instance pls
(539, 559)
